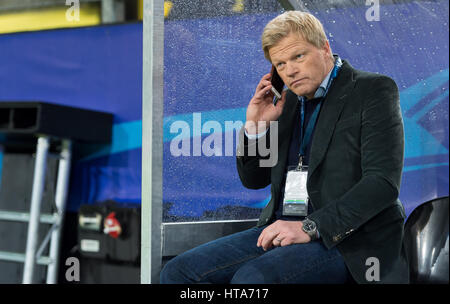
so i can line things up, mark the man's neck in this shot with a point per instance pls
(329, 69)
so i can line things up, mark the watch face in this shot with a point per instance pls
(309, 226)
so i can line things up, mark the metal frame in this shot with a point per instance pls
(43, 145)
(33, 255)
(152, 139)
(62, 189)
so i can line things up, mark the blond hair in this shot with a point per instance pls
(304, 24)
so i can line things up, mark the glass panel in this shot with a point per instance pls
(212, 63)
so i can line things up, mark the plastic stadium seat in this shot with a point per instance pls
(426, 242)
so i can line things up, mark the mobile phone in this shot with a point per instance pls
(277, 85)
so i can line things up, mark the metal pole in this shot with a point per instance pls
(62, 187)
(40, 165)
(108, 11)
(152, 140)
(113, 11)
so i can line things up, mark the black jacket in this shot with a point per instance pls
(354, 175)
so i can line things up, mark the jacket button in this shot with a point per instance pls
(336, 238)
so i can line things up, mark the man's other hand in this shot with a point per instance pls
(283, 233)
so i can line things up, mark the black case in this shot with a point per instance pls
(125, 248)
(21, 119)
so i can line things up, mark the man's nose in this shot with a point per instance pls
(291, 69)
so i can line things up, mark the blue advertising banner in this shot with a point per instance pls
(211, 68)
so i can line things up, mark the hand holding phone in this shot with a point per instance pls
(265, 106)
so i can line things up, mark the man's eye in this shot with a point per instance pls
(299, 56)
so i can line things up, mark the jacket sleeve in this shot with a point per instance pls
(252, 175)
(382, 152)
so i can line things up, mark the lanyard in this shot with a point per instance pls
(312, 121)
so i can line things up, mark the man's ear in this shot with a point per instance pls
(326, 47)
(327, 50)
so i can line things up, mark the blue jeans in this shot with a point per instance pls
(236, 259)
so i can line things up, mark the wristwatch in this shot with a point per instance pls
(310, 228)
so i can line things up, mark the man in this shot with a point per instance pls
(340, 136)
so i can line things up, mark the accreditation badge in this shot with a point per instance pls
(295, 202)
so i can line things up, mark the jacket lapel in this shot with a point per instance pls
(331, 109)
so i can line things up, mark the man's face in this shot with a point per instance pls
(301, 65)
